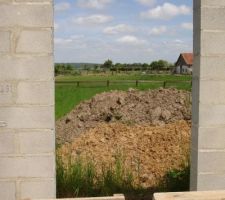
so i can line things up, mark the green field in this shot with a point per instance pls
(69, 95)
(134, 76)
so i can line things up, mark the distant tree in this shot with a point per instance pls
(135, 66)
(107, 64)
(60, 69)
(69, 67)
(56, 69)
(118, 67)
(154, 65)
(171, 67)
(145, 66)
(86, 68)
(163, 64)
(160, 65)
(96, 67)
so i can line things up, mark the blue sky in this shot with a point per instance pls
(125, 31)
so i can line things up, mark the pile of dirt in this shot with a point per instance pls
(148, 151)
(155, 107)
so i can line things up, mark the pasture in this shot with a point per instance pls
(68, 95)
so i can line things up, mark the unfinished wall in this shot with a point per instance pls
(27, 141)
(208, 132)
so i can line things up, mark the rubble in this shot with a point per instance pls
(155, 107)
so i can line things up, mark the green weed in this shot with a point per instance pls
(177, 180)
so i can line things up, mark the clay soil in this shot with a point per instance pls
(147, 151)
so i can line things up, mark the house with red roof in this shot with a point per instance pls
(184, 64)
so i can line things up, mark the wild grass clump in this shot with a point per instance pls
(75, 178)
(81, 178)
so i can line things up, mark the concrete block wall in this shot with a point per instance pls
(208, 126)
(27, 138)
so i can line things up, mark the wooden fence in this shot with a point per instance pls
(109, 83)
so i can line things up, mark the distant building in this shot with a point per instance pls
(184, 64)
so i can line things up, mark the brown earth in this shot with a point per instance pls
(148, 151)
(153, 107)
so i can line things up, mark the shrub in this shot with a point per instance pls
(178, 180)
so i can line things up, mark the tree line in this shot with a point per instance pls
(108, 65)
(160, 65)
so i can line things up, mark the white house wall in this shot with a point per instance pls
(185, 70)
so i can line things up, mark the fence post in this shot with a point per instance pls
(164, 84)
(78, 83)
(137, 83)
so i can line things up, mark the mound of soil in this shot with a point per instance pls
(157, 107)
(148, 151)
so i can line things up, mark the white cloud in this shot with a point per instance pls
(70, 39)
(158, 30)
(178, 41)
(77, 37)
(94, 4)
(166, 11)
(70, 42)
(146, 2)
(93, 19)
(187, 26)
(175, 43)
(120, 28)
(130, 40)
(62, 6)
(149, 50)
(62, 41)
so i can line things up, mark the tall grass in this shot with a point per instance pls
(75, 179)
(81, 178)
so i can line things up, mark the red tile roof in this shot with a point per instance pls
(188, 57)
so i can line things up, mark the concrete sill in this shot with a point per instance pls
(209, 195)
(114, 197)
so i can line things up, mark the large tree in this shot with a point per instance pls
(160, 65)
(107, 64)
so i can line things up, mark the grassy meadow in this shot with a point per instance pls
(69, 95)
